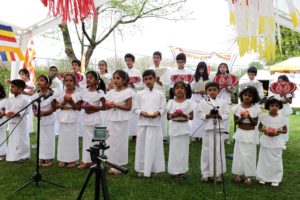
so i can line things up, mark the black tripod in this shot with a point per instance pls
(37, 176)
(100, 170)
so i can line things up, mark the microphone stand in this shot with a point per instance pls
(37, 176)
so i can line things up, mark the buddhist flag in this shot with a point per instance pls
(29, 60)
(9, 48)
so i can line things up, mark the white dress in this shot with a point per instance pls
(225, 96)
(90, 121)
(30, 98)
(179, 139)
(118, 124)
(3, 128)
(207, 151)
(133, 72)
(18, 146)
(68, 145)
(149, 153)
(57, 87)
(197, 125)
(244, 155)
(47, 135)
(269, 165)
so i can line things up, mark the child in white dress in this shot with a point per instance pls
(207, 113)
(18, 147)
(47, 133)
(118, 103)
(3, 127)
(246, 136)
(180, 111)
(69, 103)
(272, 125)
(93, 102)
(150, 105)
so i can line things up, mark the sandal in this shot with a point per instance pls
(62, 164)
(113, 171)
(2, 157)
(140, 174)
(47, 163)
(237, 179)
(248, 181)
(84, 165)
(71, 165)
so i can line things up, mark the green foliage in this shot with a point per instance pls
(290, 44)
(4, 76)
(258, 65)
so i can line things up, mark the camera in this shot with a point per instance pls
(100, 134)
(214, 112)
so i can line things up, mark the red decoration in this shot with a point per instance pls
(65, 8)
(283, 87)
(271, 131)
(245, 113)
(226, 80)
(134, 79)
(182, 77)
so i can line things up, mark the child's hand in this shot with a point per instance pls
(175, 114)
(10, 114)
(245, 114)
(110, 104)
(219, 116)
(154, 115)
(271, 131)
(85, 104)
(144, 114)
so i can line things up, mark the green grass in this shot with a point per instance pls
(125, 187)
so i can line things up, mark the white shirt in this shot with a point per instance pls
(254, 83)
(57, 85)
(15, 104)
(163, 74)
(149, 101)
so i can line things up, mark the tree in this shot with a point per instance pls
(115, 14)
(290, 45)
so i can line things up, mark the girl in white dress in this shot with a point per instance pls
(198, 92)
(93, 102)
(225, 95)
(69, 103)
(28, 91)
(47, 133)
(179, 111)
(272, 125)
(3, 127)
(118, 103)
(286, 111)
(246, 136)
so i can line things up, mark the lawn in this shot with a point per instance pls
(125, 187)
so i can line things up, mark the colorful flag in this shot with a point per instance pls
(29, 59)
(9, 48)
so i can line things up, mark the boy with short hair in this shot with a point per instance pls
(18, 148)
(76, 68)
(150, 105)
(206, 112)
(252, 72)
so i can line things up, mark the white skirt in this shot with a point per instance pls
(133, 124)
(164, 125)
(226, 128)
(197, 127)
(269, 166)
(87, 142)
(18, 146)
(149, 153)
(179, 154)
(47, 142)
(207, 155)
(68, 145)
(244, 159)
(118, 142)
(2, 140)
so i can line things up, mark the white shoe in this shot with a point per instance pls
(262, 182)
(274, 184)
(204, 179)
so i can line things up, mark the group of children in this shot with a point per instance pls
(127, 109)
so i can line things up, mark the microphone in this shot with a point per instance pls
(49, 94)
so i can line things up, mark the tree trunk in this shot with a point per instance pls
(67, 41)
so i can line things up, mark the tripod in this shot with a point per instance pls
(37, 176)
(100, 170)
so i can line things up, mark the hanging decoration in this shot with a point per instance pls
(81, 9)
(255, 23)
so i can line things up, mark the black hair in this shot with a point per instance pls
(188, 90)
(219, 72)
(2, 92)
(53, 67)
(123, 75)
(251, 90)
(101, 84)
(78, 62)
(271, 100)
(284, 78)
(129, 55)
(181, 56)
(149, 72)
(73, 77)
(197, 74)
(252, 69)
(24, 71)
(19, 83)
(47, 79)
(212, 84)
(157, 53)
